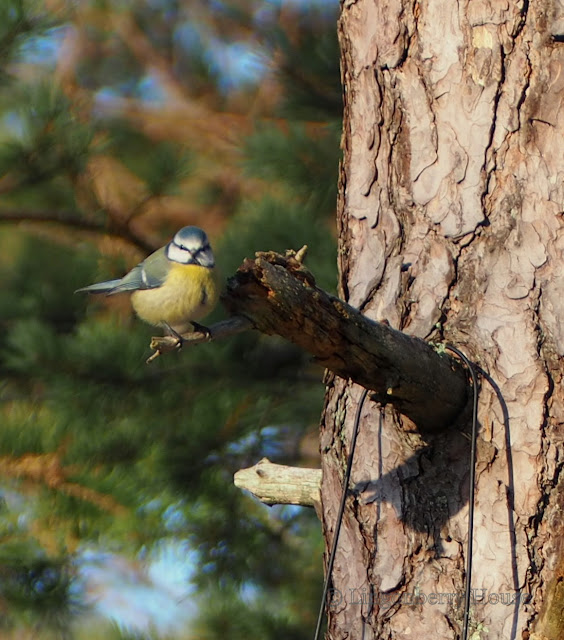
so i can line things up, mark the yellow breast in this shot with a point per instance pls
(189, 292)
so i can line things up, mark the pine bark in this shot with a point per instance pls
(450, 223)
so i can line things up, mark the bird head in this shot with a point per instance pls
(190, 245)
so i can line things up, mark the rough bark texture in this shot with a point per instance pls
(450, 217)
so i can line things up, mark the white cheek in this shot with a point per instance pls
(177, 254)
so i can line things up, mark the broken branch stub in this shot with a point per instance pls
(278, 484)
(279, 296)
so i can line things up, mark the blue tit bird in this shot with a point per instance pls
(174, 287)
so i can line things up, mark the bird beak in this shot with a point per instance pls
(205, 258)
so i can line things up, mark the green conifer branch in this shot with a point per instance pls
(78, 221)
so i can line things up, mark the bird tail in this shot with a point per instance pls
(107, 287)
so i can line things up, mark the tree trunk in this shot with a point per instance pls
(450, 230)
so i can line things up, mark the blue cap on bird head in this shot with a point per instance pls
(190, 245)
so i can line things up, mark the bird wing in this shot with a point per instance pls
(149, 274)
(100, 287)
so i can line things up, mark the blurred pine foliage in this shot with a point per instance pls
(119, 123)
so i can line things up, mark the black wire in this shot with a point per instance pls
(340, 514)
(471, 501)
(472, 490)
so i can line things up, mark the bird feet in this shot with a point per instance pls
(173, 341)
(200, 328)
(172, 332)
